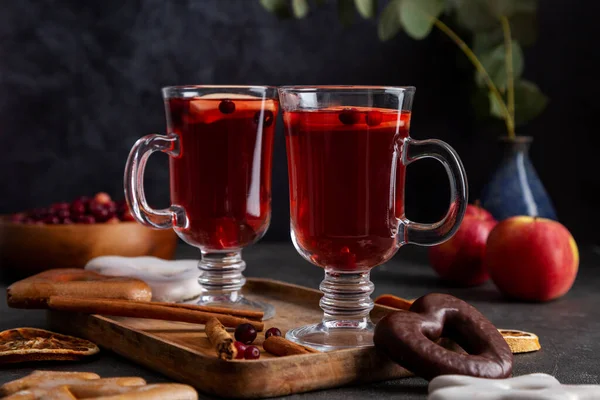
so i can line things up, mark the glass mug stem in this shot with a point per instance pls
(221, 275)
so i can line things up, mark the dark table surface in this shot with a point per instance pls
(569, 328)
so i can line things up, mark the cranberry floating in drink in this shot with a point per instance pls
(220, 142)
(348, 148)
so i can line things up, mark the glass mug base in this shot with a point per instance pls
(334, 335)
(237, 302)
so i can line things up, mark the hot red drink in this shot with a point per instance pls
(222, 175)
(340, 169)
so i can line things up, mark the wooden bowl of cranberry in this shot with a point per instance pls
(68, 235)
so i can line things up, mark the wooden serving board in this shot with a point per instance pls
(182, 351)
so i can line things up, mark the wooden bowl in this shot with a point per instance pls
(29, 249)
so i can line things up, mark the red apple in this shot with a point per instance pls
(530, 258)
(460, 259)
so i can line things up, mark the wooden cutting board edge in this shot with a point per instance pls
(236, 379)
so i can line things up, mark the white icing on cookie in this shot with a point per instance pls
(171, 281)
(525, 387)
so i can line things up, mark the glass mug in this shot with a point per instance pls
(220, 143)
(347, 150)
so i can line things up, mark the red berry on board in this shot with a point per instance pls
(349, 116)
(227, 107)
(252, 353)
(113, 220)
(241, 350)
(67, 221)
(373, 118)
(272, 332)
(245, 333)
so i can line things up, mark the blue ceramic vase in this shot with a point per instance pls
(515, 188)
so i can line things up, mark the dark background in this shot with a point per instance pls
(80, 82)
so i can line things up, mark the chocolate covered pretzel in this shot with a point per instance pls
(409, 338)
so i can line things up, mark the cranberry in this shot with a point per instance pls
(86, 219)
(127, 216)
(349, 116)
(241, 349)
(245, 333)
(51, 220)
(113, 220)
(373, 118)
(252, 353)
(101, 214)
(29, 221)
(227, 107)
(102, 198)
(63, 214)
(267, 118)
(272, 332)
(56, 207)
(18, 218)
(111, 206)
(78, 207)
(67, 221)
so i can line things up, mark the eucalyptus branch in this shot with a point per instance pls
(480, 68)
(510, 77)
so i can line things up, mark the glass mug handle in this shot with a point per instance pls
(438, 232)
(135, 196)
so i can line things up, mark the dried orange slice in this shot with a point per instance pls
(394, 301)
(520, 341)
(31, 344)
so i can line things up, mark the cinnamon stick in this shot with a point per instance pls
(280, 346)
(148, 310)
(248, 314)
(220, 339)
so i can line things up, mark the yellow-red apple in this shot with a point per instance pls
(530, 258)
(460, 259)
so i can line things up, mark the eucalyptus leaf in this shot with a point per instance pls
(278, 7)
(494, 62)
(366, 8)
(300, 8)
(483, 42)
(389, 20)
(495, 106)
(529, 101)
(475, 15)
(417, 16)
(345, 10)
